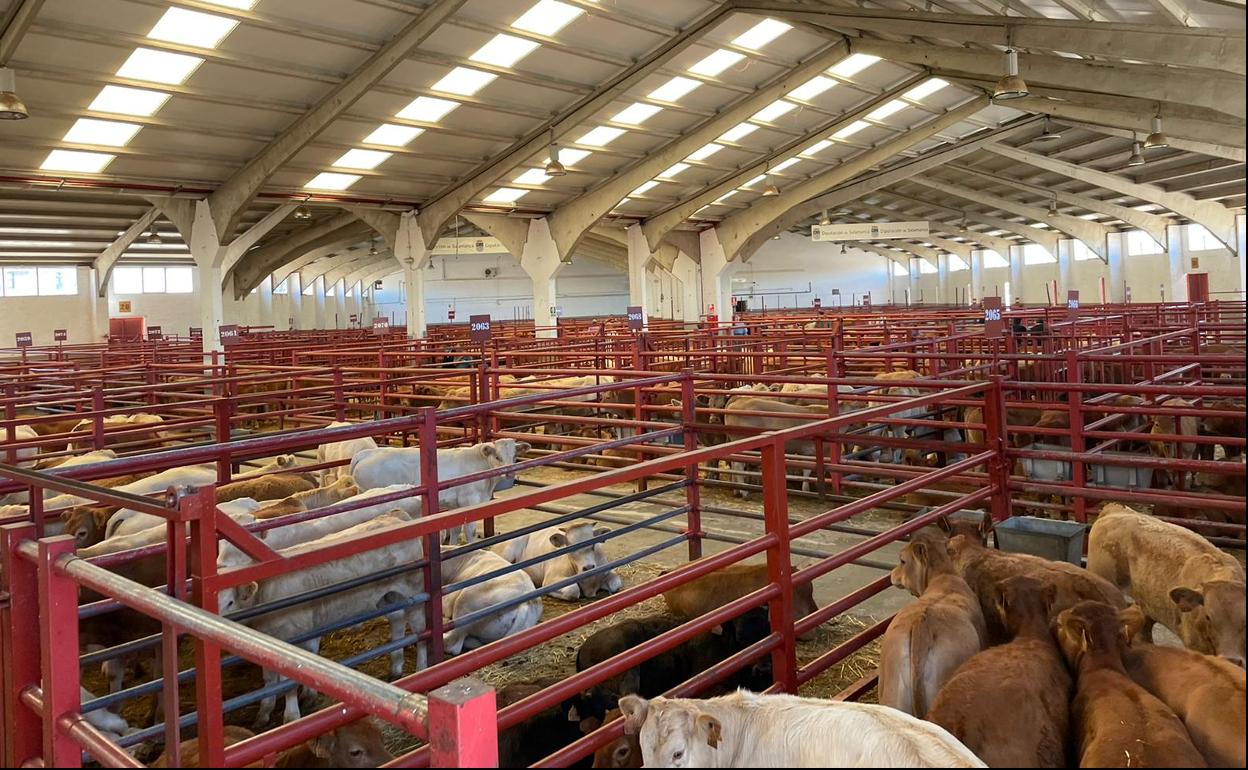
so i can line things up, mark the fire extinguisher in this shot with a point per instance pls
(712, 318)
(450, 314)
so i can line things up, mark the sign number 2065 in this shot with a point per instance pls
(992, 314)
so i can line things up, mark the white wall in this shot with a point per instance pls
(792, 263)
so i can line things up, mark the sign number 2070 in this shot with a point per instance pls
(992, 314)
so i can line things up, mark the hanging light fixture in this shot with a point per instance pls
(303, 213)
(1010, 86)
(1048, 134)
(554, 167)
(1137, 158)
(825, 219)
(154, 238)
(372, 248)
(771, 190)
(1052, 208)
(844, 248)
(11, 107)
(1157, 140)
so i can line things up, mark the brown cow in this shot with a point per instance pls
(1223, 427)
(624, 751)
(1172, 425)
(782, 415)
(1010, 704)
(714, 590)
(1178, 579)
(984, 568)
(1117, 723)
(1204, 691)
(930, 637)
(341, 489)
(272, 487)
(358, 744)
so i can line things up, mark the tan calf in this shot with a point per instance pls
(1116, 722)
(1177, 578)
(1010, 703)
(716, 589)
(930, 637)
(308, 500)
(272, 487)
(358, 744)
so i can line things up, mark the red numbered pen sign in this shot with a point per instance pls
(381, 326)
(155, 333)
(1072, 304)
(636, 319)
(229, 334)
(60, 335)
(479, 329)
(994, 321)
(25, 339)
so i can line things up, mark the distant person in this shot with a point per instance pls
(1037, 328)
(1018, 327)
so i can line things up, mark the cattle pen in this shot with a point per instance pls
(641, 432)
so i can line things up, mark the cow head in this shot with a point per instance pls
(624, 751)
(355, 745)
(1091, 628)
(672, 732)
(1211, 618)
(502, 452)
(1024, 603)
(918, 562)
(237, 598)
(86, 523)
(974, 530)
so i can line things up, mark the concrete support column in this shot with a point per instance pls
(1177, 290)
(1241, 256)
(209, 254)
(340, 305)
(540, 260)
(716, 276)
(1066, 269)
(943, 295)
(1016, 273)
(639, 259)
(414, 289)
(977, 274)
(318, 295)
(99, 304)
(294, 294)
(1117, 274)
(913, 290)
(688, 274)
(410, 251)
(266, 302)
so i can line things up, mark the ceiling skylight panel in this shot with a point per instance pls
(363, 159)
(673, 89)
(674, 170)
(774, 110)
(925, 89)
(851, 129)
(716, 63)
(392, 135)
(159, 66)
(242, 5)
(464, 81)
(427, 109)
(128, 101)
(817, 147)
(204, 30)
(886, 109)
(106, 132)
(781, 166)
(726, 196)
(852, 65)
(812, 88)
(761, 34)
(755, 180)
(636, 114)
(569, 156)
(328, 180)
(73, 160)
(534, 176)
(737, 132)
(601, 136)
(641, 190)
(504, 50)
(547, 17)
(705, 151)
(505, 195)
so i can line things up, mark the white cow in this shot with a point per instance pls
(549, 571)
(466, 601)
(302, 618)
(186, 476)
(749, 730)
(21, 433)
(128, 521)
(900, 431)
(119, 422)
(340, 450)
(99, 456)
(389, 465)
(107, 722)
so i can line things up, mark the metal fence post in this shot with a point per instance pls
(19, 731)
(1074, 400)
(779, 565)
(693, 489)
(58, 634)
(996, 439)
(200, 508)
(97, 419)
(340, 403)
(463, 725)
(433, 541)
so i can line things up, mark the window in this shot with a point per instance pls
(1035, 254)
(152, 280)
(20, 282)
(1009, 295)
(57, 281)
(307, 290)
(1140, 243)
(281, 288)
(1200, 239)
(956, 263)
(993, 259)
(1081, 251)
(899, 270)
(926, 268)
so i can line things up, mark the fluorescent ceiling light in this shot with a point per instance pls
(547, 17)
(853, 64)
(641, 189)
(673, 89)
(106, 132)
(73, 160)
(534, 176)
(817, 147)
(705, 151)
(159, 66)
(242, 5)
(601, 136)
(755, 180)
(726, 196)
(392, 135)
(427, 109)
(886, 109)
(926, 88)
(761, 34)
(716, 63)
(851, 129)
(327, 180)
(504, 50)
(128, 101)
(674, 170)
(505, 195)
(774, 110)
(365, 159)
(738, 131)
(464, 81)
(812, 88)
(636, 114)
(785, 164)
(204, 30)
